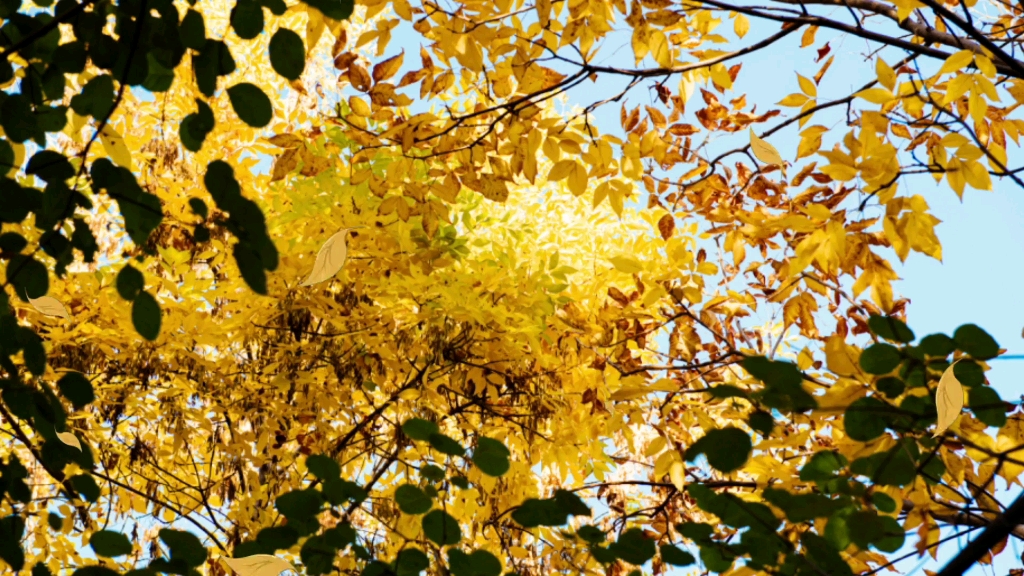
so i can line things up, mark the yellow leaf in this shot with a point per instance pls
(330, 259)
(50, 306)
(640, 46)
(561, 170)
(793, 100)
(677, 473)
(764, 151)
(578, 179)
(807, 86)
(839, 357)
(656, 446)
(808, 37)
(315, 27)
(69, 439)
(876, 95)
(886, 75)
(258, 565)
(957, 61)
(626, 264)
(114, 144)
(741, 25)
(949, 401)
(660, 49)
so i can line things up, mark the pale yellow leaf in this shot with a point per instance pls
(330, 259)
(741, 25)
(114, 144)
(626, 264)
(677, 473)
(50, 306)
(69, 439)
(949, 401)
(258, 565)
(764, 151)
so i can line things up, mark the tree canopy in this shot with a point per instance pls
(458, 328)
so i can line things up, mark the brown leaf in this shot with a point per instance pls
(494, 188)
(388, 68)
(343, 61)
(682, 129)
(667, 225)
(339, 43)
(284, 164)
(359, 77)
(617, 295)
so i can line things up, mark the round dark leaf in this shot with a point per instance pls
(987, 406)
(287, 54)
(419, 429)
(727, 449)
(28, 276)
(880, 359)
(969, 373)
(446, 445)
(634, 547)
(676, 556)
(432, 473)
(247, 19)
(130, 282)
(479, 563)
(184, 546)
(77, 389)
(976, 342)
(299, 504)
(937, 345)
(146, 316)
(251, 104)
(865, 419)
(412, 500)
(491, 457)
(441, 528)
(110, 544)
(410, 562)
(890, 328)
(323, 467)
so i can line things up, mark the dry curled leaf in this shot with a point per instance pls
(69, 439)
(764, 151)
(949, 401)
(330, 259)
(258, 565)
(50, 306)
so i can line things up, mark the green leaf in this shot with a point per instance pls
(110, 544)
(323, 467)
(339, 491)
(441, 528)
(534, 512)
(412, 500)
(158, 77)
(276, 7)
(77, 389)
(783, 384)
(411, 561)
(146, 316)
(247, 19)
(822, 466)
(184, 546)
(196, 126)
(28, 276)
(825, 557)
(479, 563)
(802, 507)
(12, 242)
(491, 457)
(895, 467)
(891, 386)
(193, 30)
(41, 569)
(676, 556)
(55, 521)
(32, 350)
(761, 422)
(287, 54)
(50, 166)
(12, 528)
(251, 104)
(699, 532)
(890, 328)
(85, 485)
(883, 502)
(420, 429)
(865, 419)
(715, 558)
(446, 445)
(969, 373)
(976, 342)
(299, 504)
(591, 534)
(17, 119)
(275, 538)
(938, 345)
(96, 98)
(333, 9)
(987, 406)
(634, 547)
(727, 449)
(251, 267)
(318, 556)
(432, 473)
(880, 359)
(130, 282)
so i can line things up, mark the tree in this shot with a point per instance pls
(489, 371)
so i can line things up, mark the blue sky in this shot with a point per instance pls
(982, 235)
